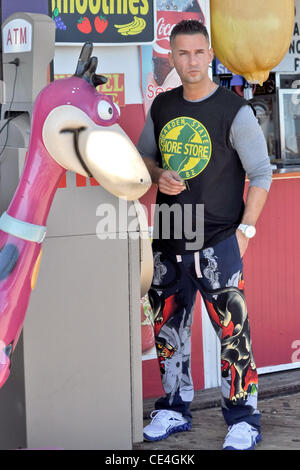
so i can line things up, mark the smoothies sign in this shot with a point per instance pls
(107, 22)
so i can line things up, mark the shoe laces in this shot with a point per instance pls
(162, 415)
(241, 427)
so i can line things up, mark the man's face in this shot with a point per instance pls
(191, 57)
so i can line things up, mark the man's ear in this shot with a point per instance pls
(170, 57)
(212, 54)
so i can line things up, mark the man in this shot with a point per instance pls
(198, 142)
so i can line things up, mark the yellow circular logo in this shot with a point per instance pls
(185, 147)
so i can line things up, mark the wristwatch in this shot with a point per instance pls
(248, 230)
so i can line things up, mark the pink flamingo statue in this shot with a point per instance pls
(73, 128)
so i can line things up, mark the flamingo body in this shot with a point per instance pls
(62, 110)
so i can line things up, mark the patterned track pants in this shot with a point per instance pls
(217, 273)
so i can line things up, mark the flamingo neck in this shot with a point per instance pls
(36, 189)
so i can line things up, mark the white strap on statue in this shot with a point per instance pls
(21, 229)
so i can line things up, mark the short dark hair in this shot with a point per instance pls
(189, 27)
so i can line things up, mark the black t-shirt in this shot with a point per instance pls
(193, 139)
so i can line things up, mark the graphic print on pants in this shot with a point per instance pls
(172, 330)
(220, 282)
(228, 313)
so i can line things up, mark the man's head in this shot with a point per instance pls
(189, 27)
(190, 53)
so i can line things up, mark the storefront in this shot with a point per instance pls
(137, 69)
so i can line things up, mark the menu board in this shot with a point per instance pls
(291, 61)
(109, 22)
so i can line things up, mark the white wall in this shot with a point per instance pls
(122, 59)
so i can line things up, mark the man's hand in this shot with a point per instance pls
(242, 242)
(169, 182)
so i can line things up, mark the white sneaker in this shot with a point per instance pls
(164, 423)
(241, 436)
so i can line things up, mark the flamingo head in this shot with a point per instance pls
(79, 128)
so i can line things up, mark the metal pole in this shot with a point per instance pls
(1, 55)
(51, 65)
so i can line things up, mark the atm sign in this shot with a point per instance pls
(17, 36)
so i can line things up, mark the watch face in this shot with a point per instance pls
(250, 231)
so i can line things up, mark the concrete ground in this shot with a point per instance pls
(279, 404)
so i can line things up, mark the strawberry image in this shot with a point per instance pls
(84, 25)
(101, 24)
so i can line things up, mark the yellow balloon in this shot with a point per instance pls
(251, 37)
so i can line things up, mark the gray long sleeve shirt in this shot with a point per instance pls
(246, 137)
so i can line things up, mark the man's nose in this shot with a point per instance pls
(193, 59)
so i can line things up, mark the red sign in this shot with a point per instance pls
(114, 87)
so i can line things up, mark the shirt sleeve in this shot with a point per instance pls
(147, 144)
(247, 138)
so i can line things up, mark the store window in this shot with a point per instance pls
(289, 112)
(277, 107)
(264, 102)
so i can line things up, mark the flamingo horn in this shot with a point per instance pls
(91, 76)
(87, 65)
(84, 61)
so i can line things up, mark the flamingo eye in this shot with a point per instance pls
(105, 110)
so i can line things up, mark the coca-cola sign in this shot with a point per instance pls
(166, 20)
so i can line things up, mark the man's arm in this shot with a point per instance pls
(248, 140)
(153, 168)
(256, 199)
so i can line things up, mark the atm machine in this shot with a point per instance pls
(25, 62)
(76, 382)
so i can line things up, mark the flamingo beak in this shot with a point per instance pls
(114, 161)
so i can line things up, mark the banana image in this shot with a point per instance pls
(135, 27)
